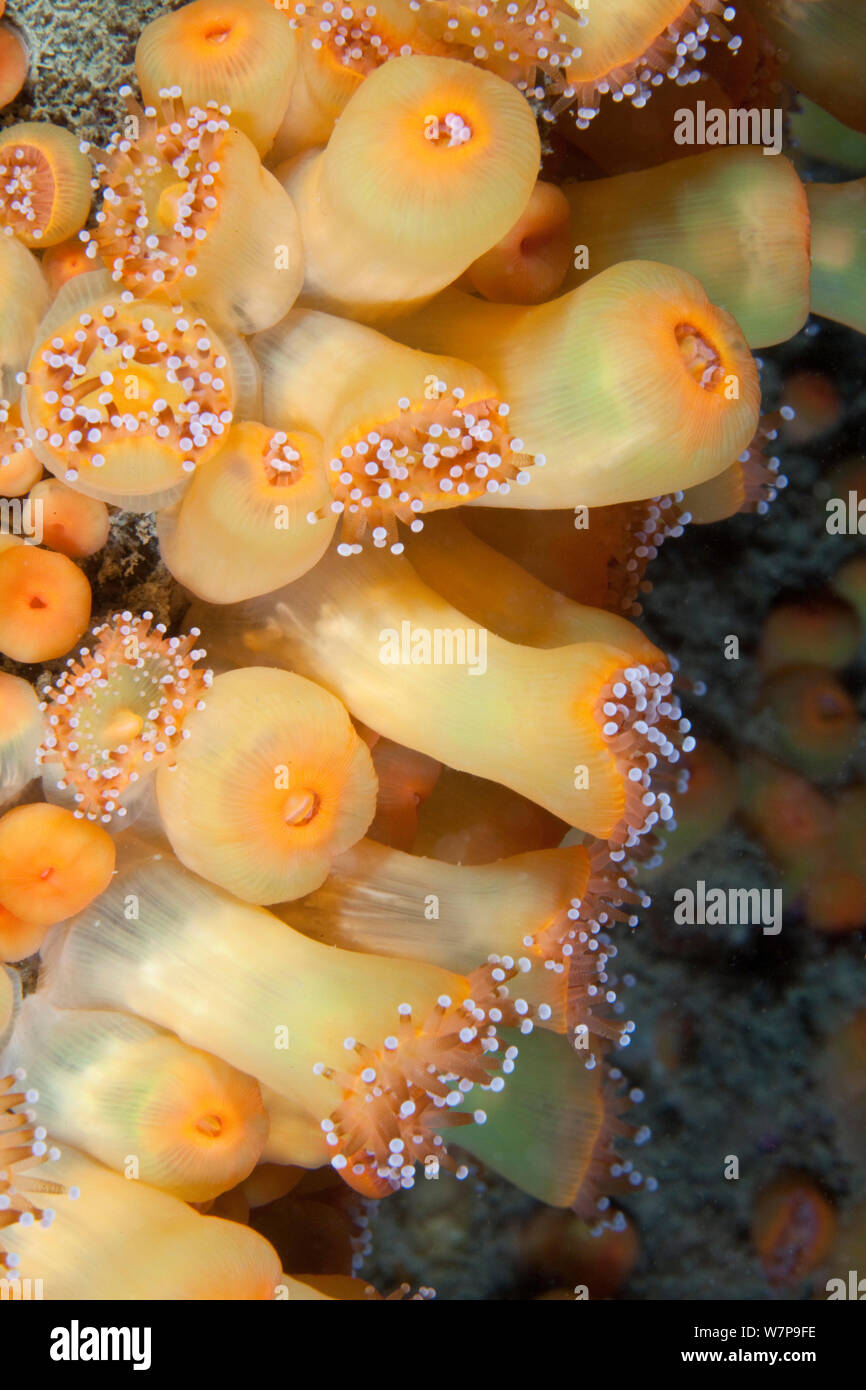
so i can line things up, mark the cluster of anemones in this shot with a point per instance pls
(324, 287)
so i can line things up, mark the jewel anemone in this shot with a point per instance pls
(529, 264)
(272, 782)
(189, 214)
(116, 712)
(117, 1086)
(550, 907)
(150, 1243)
(51, 865)
(611, 727)
(44, 183)
(431, 163)
(44, 604)
(631, 385)
(374, 1054)
(405, 432)
(736, 221)
(124, 397)
(238, 53)
(254, 519)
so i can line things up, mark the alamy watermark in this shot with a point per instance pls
(720, 907)
(22, 518)
(438, 646)
(714, 125)
(846, 516)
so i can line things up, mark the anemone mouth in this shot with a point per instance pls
(700, 356)
(210, 1126)
(27, 190)
(117, 711)
(643, 727)
(23, 1145)
(283, 464)
(447, 131)
(161, 193)
(128, 376)
(441, 451)
(218, 32)
(301, 807)
(398, 1096)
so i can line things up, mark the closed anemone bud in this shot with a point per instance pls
(668, 388)
(810, 629)
(25, 297)
(44, 604)
(791, 817)
(123, 1088)
(406, 779)
(19, 466)
(793, 1227)
(19, 939)
(44, 183)
(24, 1169)
(72, 524)
(117, 711)
(240, 53)
(125, 398)
(530, 263)
(64, 261)
(272, 783)
(51, 864)
(849, 582)
(254, 519)
(14, 63)
(431, 164)
(404, 432)
(813, 720)
(20, 735)
(189, 213)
